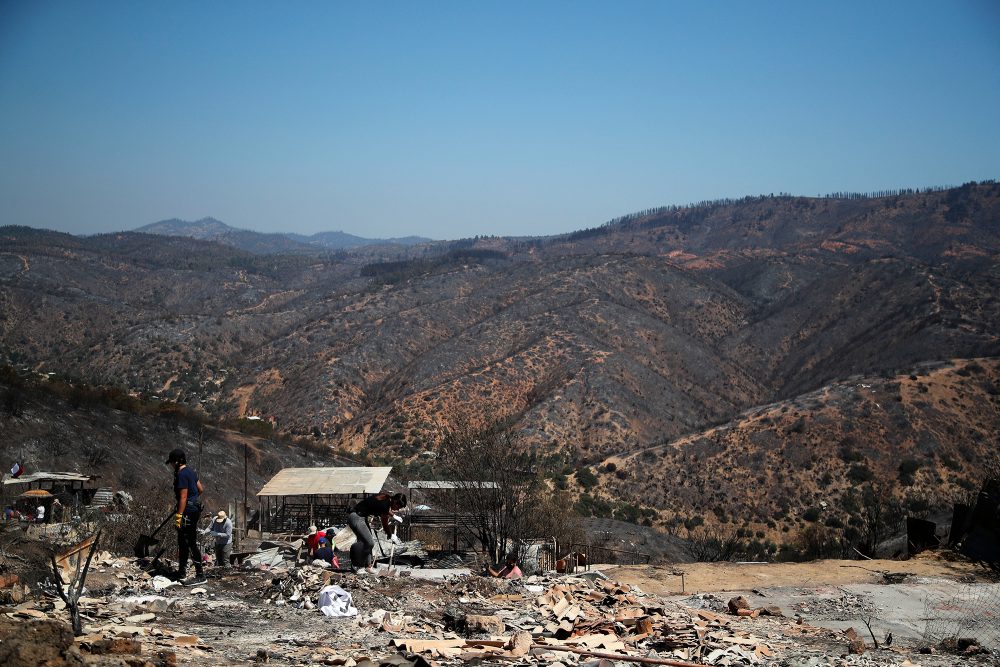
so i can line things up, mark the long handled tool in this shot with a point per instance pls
(144, 542)
(377, 539)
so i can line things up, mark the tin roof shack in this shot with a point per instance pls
(28, 502)
(296, 498)
(71, 488)
(439, 513)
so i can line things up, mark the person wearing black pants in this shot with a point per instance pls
(187, 491)
(381, 505)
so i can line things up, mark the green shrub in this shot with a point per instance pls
(586, 478)
(859, 473)
(812, 514)
(907, 468)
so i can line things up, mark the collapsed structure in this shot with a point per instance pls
(71, 489)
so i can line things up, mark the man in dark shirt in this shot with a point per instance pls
(381, 505)
(187, 491)
(325, 551)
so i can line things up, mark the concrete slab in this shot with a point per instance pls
(916, 610)
(432, 573)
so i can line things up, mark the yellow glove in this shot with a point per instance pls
(178, 518)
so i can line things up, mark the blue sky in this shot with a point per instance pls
(452, 119)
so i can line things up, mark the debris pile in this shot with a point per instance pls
(272, 612)
(568, 617)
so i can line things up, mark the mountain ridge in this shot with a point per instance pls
(211, 229)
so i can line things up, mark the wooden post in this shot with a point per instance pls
(245, 497)
(234, 517)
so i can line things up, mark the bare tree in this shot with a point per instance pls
(554, 516)
(714, 544)
(881, 515)
(70, 593)
(495, 481)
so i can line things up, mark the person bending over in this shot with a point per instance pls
(508, 571)
(381, 505)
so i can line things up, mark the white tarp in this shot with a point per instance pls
(335, 602)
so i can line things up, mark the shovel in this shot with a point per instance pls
(144, 542)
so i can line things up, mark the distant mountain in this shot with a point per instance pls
(210, 229)
(340, 240)
(205, 229)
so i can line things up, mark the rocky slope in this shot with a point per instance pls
(929, 435)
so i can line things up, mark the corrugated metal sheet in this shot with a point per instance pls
(326, 481)
(440, 484)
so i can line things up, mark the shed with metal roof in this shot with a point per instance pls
(296, 498)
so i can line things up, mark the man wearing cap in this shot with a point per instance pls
(325, 552)
(187, 491)
(222, 530)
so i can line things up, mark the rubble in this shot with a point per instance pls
(272, 613)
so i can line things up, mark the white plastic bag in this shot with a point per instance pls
(335, 602)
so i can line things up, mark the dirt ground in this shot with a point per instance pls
(917, 602)
(713, 577)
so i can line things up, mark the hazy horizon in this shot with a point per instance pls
(454, 120)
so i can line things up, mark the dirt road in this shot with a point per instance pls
(712, 577)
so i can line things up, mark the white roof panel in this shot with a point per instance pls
(326, 481)
(48, 477)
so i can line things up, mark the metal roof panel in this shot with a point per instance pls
(326, 481)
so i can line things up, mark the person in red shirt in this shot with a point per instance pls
(312, 540)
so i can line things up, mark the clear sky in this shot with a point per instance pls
(451, 119)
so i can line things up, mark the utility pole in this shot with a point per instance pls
(246, 507)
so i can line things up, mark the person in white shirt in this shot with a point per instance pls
(40, 514)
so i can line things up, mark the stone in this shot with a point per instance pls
(857, 646)
(119, 645)
(140, 618)
(737, 603)
(481, 623)
(38, 642)
(520, 644)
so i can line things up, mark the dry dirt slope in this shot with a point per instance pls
(128, 451)
(924, 435)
